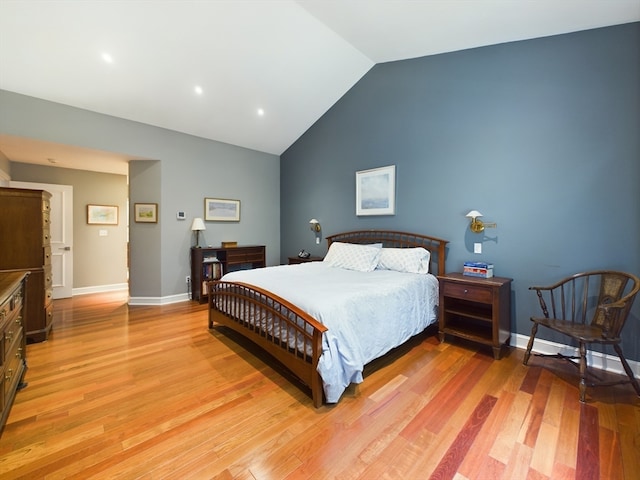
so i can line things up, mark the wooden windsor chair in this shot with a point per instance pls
(590, 308)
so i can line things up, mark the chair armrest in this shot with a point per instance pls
(543, 305)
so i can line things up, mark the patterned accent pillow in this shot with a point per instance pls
(363, 258)
(408, 260)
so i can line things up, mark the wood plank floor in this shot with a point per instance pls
(150, 393)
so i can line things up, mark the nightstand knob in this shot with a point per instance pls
(466, 291)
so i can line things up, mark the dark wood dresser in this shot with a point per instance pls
(12, 339)
(26, 246)
(211, 263)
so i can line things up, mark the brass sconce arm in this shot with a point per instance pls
(477, 225)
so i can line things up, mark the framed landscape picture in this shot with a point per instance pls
(102, 214)
(376, 191)
(221, 210)
(145, 212)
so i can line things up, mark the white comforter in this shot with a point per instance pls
(367, 314)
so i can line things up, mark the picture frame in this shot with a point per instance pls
(221, 210)
(145, 212)
(102, 214)
(376, 191)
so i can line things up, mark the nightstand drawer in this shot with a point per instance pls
(473, 293)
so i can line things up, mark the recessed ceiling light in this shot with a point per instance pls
(107, 58)
(260, 112)
(198, 90)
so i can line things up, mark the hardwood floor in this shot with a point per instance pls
(150, 393)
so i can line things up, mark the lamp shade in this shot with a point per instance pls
(314, 224)
(473, 214)
(198, 225)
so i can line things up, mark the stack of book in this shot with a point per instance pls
(478, 269)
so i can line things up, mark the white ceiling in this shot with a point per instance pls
(293, 59)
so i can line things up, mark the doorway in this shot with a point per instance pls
(61, 225)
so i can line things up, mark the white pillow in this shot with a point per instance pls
(408, 260)
(351, 256)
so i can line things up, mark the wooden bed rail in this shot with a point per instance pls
(283, 330)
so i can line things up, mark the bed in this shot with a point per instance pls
(323, 330)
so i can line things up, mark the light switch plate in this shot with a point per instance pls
(477, 248)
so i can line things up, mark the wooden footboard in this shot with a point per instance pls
(280, 328)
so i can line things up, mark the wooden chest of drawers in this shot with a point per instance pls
(24, 228)
(12, 338)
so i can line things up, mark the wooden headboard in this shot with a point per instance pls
(392, 239)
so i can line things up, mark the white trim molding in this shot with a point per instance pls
(181, 297)
(116, 287)
(601, 361)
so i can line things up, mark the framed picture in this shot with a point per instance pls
(376, 191)
(145, 212)
(221, 210)
(102, 215)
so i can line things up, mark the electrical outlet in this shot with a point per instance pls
(188, 279)
(477, 248)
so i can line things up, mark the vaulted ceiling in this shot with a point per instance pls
(253, 73)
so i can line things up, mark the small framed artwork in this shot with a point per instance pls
(376, 191)
(145, 212)
(102, 214)
(221, 210)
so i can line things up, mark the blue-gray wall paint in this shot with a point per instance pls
(541, 136)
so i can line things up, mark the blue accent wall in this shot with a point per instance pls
(541, 136)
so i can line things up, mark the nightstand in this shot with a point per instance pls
(296, 259)
(477, 309)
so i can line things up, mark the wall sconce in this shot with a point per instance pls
(478, 225)
(315, 225)
(198, 226)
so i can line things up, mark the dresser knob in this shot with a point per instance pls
(466, 291)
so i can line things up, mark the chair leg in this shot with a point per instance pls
(527, 354)
(627, 369)
(583, 372)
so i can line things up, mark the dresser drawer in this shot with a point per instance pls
(13, 369)
(46, 236)
(474, 293)
(46, 255)
(11, 325)
(245, 255)
(12, 338)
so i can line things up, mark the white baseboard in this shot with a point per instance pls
(181, 297)
(100, 289)
(602, 361)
